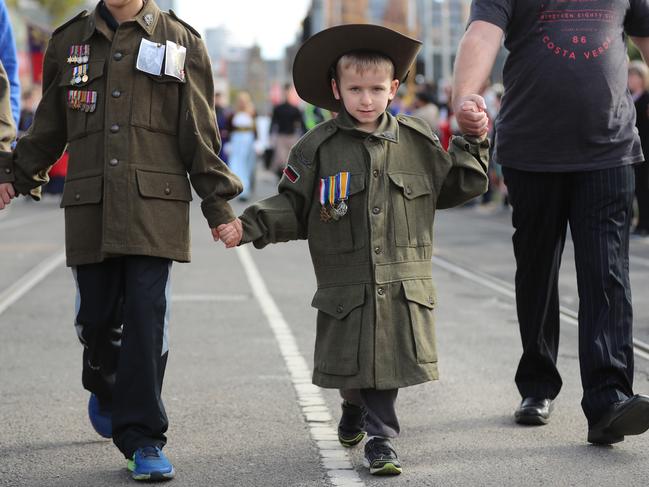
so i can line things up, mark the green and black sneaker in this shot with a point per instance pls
(381, 458)
(352, 422)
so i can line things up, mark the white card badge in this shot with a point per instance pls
(150, 57)
(175, 60)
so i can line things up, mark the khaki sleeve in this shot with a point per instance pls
(7, 130)
(45, 140)
(467, 177)
(282, 217)
(199, 140)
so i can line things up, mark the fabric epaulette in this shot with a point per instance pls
(72, 20)
(307, 147)
(189, 27)
(420, 126)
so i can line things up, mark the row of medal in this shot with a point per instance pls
(334, 191)
(79, 54)
(82, 100)
(79, 74)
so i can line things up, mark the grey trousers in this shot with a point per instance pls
(381, 419)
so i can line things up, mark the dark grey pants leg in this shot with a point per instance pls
(380, 405)
(600, 219)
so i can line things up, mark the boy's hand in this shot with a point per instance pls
(7, 192)
(230, 233)
(471, 115)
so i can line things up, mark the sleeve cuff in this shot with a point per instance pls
(217, 211)
(6, 168)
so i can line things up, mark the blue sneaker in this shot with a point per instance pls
(149, 463)
(100, 417)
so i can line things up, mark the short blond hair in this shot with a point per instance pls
(363, 61)
(641, 69)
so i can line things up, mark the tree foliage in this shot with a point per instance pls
(57, 10)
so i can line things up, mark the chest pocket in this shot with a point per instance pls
(81, 117)
(413, 210)
(346, 234)
(156, 103)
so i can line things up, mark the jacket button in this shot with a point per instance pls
(377, 250)
(113, 162)
(376, 210)
(167, 190)
(7, 170)
(340, 308)
(430, 300)
(380, 291)
(116, 93)
(118, 56)
(408, 190)
(114, 128)
(375, 173)
(77, 197)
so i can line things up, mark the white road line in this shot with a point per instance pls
(335, 461)
(506, 289)
(23, 285)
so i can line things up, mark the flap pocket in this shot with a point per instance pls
(163, 186)
(339, 301)
(412, 185)
(420, 291)
(94, 70)
(86, 191)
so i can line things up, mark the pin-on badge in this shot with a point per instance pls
(148, 19)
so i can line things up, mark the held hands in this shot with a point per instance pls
(471, 115)
(7, 192)
(230, 233)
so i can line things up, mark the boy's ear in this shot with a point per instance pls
(334, 88)
(394, 86)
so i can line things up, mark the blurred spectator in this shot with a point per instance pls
(286, 127)
(425, 109)
(9, 59)
(241, 146)
(313, 115)
(638, 84)
(29, 102)
(222, 121)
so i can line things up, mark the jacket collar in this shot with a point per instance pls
(388, 128)
(147, 19)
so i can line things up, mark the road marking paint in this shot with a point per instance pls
(567, 315)
(203, 298)
(334, 458)
(23, 285)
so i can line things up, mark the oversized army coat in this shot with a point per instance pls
(375, 295)
(127, 189)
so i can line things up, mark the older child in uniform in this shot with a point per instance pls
(128, 89)
(363, 189)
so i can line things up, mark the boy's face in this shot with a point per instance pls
(365, 94)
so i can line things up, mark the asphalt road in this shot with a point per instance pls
(237, 410)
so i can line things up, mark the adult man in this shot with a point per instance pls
(286, 127)
(137, 118)
(567, 144)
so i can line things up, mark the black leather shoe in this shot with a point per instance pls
(629, 417)
(534, 411)
(351, 426)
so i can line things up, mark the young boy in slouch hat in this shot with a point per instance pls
(363, 189)
(128, 88)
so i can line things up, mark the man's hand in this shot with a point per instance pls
(7, 192)
(230, 233)
(471, 115)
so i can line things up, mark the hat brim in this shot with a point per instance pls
(315, 58)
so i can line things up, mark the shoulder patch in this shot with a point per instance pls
(189, 27)
(71, 21)
(418, 125)
(306, 148)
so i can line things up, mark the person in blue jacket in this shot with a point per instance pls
(9, 59)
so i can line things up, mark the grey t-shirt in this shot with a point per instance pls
(566, 105)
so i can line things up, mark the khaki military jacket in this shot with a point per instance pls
(375, 295)
(7, 128)
(132, 150)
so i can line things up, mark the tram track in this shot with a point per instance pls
(506, 289)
